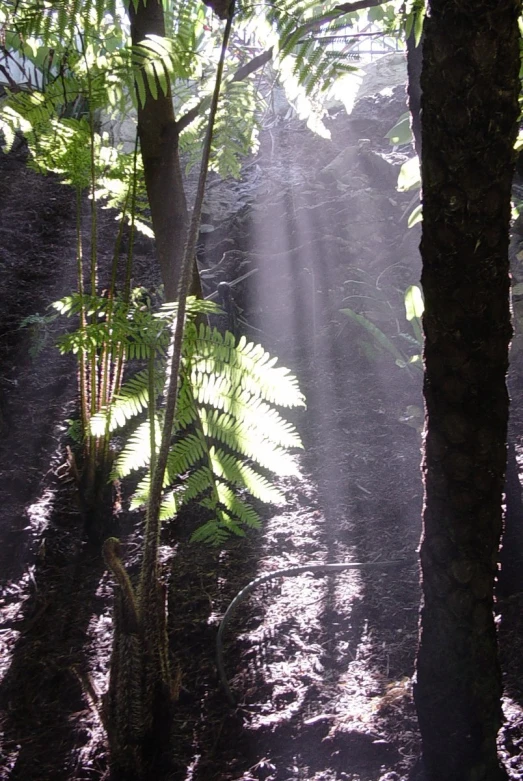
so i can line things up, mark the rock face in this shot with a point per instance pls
(386, 72)
(316, 225)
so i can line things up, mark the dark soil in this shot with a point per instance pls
(320, 665)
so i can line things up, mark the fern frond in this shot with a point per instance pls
(245, 367)
(137, 451)
(132, 399)
(61, 19)
(238, 507)
(247, 440)
(184, 454)
(230, 515)
(170, 505)
(197, 484)
(235, 471)
(141, 495)
(215, 533)
(236, 128)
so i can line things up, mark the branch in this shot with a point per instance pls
(245, 70)
(348, 8)
(11, 83)
(256, 62)
(340, 10)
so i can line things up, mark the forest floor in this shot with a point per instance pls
(320, 665)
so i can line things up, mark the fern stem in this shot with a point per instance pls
(94, 380)
(152, 410)
(110, 349)
(120, 358)
(132, 229)
(84, 412)
(148, 574)
(93, 373)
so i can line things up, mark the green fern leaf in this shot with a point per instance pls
(137, 451)
(240, 474)
(247, 440)
(212, 533)
(131, 401)
(237, 507)
(184, 454)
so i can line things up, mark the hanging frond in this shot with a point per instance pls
(238, 473)
(236, 128)
(308, 64)
(249, 440)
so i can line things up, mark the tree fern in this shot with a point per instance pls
(131, 401)
(228, 435)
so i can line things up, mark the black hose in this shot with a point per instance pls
(288, 571)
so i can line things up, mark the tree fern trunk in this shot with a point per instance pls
(158, 135)
(470, 92)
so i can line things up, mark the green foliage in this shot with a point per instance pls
(404, 347)
(308, 62)
(401, 133)
(132, 399)
(84, 63)
(229, 436)
(415, 216)
(158, 60)
(378, 336)
(409, 177)
(112, 322)
(69, 147)
(61, 19)
(236, 128)
(235, 133)
(39, 333)
(414, 17)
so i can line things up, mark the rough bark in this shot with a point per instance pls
(469, 113)
(158, 133)
(510, 577)
(414, 61)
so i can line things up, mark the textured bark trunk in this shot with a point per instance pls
(414, 63)
(158, 135)
(510, 578)
(469, 115)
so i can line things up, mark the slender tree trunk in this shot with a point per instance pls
(158, 133)
(470, 92)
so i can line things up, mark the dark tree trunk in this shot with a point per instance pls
(158, 135)
(414, 61)
(510, 577)
(469, 121)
